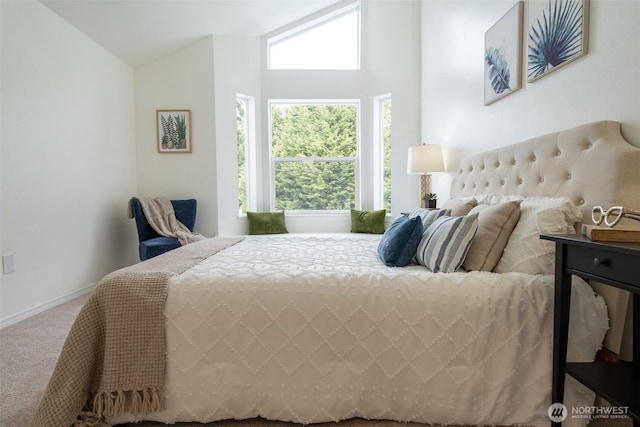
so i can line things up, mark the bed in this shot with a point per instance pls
(313, 328)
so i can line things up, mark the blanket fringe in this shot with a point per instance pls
(109, 404)
(89, 419)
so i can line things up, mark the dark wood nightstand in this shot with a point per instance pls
(615, 264)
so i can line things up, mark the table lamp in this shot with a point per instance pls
(424, 159)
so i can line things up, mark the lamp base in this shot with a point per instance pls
(425, 185)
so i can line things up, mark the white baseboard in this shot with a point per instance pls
(15, 318)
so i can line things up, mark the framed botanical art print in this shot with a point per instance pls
(503, 56)
(557, 34)
(173, 131)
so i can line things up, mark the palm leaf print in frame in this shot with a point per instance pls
(558, 34)
(503, 55)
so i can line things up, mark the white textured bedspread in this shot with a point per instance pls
(316, 328)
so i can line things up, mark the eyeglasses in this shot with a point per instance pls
(598, 214)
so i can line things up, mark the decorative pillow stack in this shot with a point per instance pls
(438, 241)
(491, 233)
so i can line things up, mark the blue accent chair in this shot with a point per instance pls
(151, 243)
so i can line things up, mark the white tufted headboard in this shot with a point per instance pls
(591, 164)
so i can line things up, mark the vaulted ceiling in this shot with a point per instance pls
(139, 31)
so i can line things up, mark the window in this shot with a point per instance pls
(328, 43)
(314, 153)
(245, 149)
(382, 152)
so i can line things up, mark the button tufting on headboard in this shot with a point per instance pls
(559, 164)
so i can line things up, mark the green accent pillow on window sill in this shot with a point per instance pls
(267, 223)
(368, 221)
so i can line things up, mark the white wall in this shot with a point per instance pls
(603, 85)
(67, 160)
(237, 71)
(182, 80)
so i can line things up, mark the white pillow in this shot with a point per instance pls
(445, 243)
(525, 251)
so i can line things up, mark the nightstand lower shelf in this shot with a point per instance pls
(618, 383)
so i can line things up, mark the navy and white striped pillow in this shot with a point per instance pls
(445, 242)
(428, 216)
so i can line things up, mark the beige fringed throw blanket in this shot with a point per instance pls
(162, 218)
(113, 360)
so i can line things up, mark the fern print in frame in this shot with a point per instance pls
(557, 35)
(503, 56)
(173, 131)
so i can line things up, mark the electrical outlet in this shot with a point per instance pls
(7, 263)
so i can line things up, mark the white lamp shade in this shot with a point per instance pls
(425, 159)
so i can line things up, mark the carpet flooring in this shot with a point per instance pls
(29, 350)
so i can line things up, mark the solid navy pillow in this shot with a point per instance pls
(399, 243)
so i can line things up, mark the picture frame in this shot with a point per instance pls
(173, 130)
(547, 52)
(503, 55)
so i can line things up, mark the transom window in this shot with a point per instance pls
(331, 42)
(314, 154)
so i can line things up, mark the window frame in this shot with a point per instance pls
(379, 149)
(250, 153)
(355, 159)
